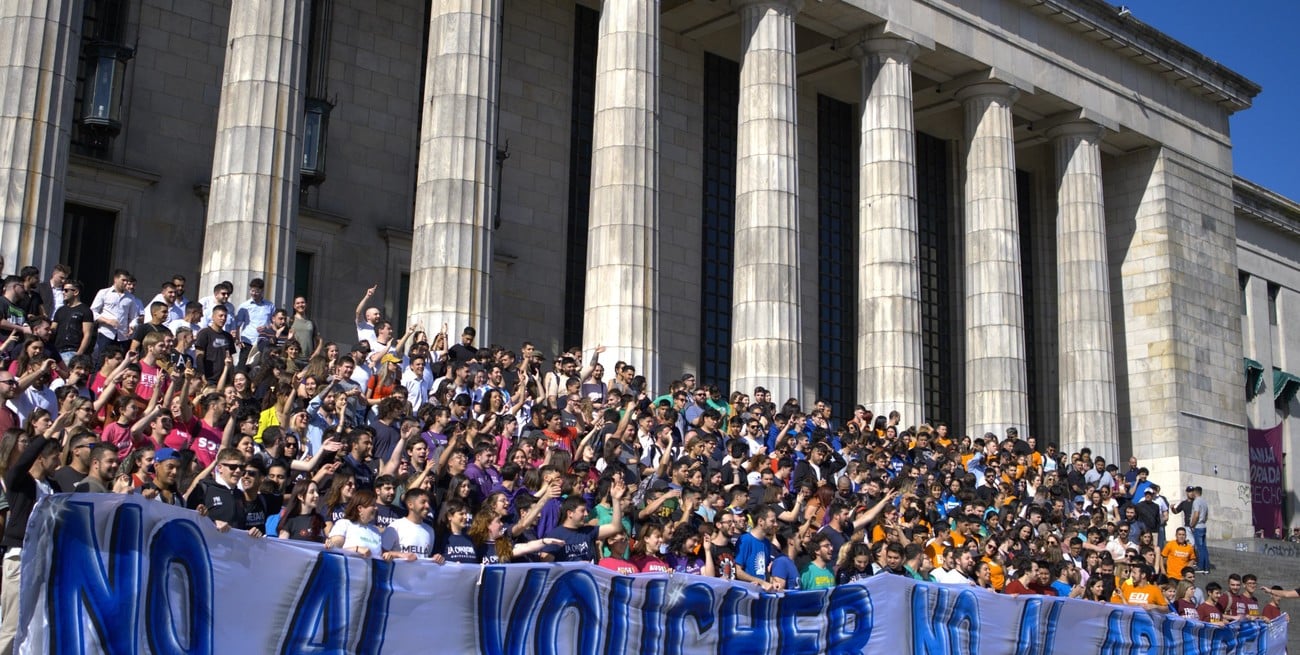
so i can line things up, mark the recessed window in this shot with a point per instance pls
(717, 247)
(837, 272)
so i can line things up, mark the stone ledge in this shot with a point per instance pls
(1273, 547)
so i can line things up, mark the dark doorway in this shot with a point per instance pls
(88, 245)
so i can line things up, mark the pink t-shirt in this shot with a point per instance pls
(120, 435)
(150, 377)
(206, 443)
(620, 566)
(650, 564)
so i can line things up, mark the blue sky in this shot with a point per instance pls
(1258, 39)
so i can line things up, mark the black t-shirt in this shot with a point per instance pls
(252, 513)
(215, 346)
(31, 303)
(146, 328)
(459, 548)
(461, 353)
(837, 540)
(724, 559)
(71, 321)
(386, 515)
(304, 527)
(222, 504)
(386, 439)
(579, 545)
(67, 477)
(361, 473)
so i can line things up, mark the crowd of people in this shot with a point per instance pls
(415, 446)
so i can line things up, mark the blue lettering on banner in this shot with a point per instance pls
(82, 591)
(756, 636)
(98, 567)
(620, 606)
(320, 621)
(376, 623)
(574, 590)
(652, 617)
(695, 603)
(492, 620)
(179, 545)
(850, 620)
(965, 611)
(796, 605)
(1115, 640)
(1141, 629)
(1034, 638)
(935, 625)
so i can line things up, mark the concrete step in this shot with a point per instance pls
(1280, 570)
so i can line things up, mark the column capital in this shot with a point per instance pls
(792, 6)
(1080, 127)
(989, 89)
(904, 50)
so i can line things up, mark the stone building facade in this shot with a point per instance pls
(995, 213)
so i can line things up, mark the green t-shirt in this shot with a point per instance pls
(816, 577)
(605, 516)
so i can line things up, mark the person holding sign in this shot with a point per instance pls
(1139, 591)
(356, 533)
(579, 539)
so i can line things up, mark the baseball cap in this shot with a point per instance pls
(165, 454)
(1191, 488)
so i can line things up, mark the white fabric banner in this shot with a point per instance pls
(116, 574)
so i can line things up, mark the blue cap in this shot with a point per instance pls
(165, 454)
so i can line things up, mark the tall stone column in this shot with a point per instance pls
(1087, 354)
(253, 201)
(996, 387)
(890, 361)
(451, 245)
(766, 331)
(620, 309)
(38, 83)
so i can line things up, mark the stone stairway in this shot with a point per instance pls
(1272, 568)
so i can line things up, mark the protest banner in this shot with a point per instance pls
(1266, 489)
(116, 574)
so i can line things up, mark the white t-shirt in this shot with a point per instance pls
(954, 576)
(366, 332)
(406, 536)
(356, 535)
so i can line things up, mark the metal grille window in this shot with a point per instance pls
(935, 222)
(586, 34)
(837, 221)
(721, 95)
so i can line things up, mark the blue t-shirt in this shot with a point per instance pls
(753, 555)
(783, 567)
(579, 545)
(459, 548)
(1062, 589)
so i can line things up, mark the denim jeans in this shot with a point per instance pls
(1202, 551)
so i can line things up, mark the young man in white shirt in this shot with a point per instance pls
(410, 538)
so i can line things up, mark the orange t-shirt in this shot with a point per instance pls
(1178, 557)
(996, 574)
(1147, 594)
(934, 550)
